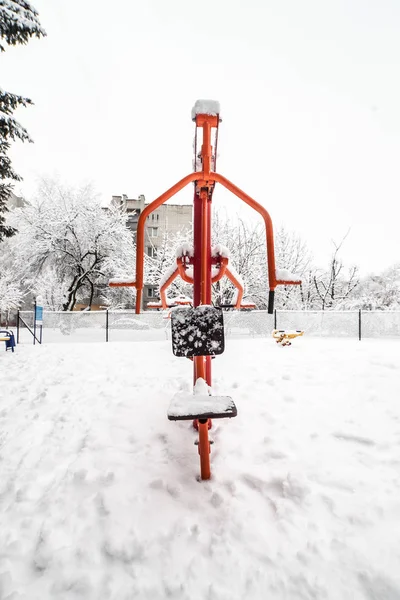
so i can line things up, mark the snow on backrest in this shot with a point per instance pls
(220, 250)
(205, 107)
(185, 249)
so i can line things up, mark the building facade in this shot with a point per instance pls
(167, 218)
(14, 201)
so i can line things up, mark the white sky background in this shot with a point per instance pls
(310, 98)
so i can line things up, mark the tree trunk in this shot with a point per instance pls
(91, 293)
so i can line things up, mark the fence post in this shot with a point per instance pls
(359, 324)
(34, 323)
(107, 325)
(18, 326)
(275, 319)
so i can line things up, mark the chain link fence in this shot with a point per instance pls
(321, 323)
(117, 326)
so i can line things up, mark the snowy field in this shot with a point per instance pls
(99, 497)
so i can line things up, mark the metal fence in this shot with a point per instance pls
(322, 323)
(112, 326)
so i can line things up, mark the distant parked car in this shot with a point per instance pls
(128, 323)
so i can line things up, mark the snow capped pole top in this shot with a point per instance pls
(206, 107)
(205, 113)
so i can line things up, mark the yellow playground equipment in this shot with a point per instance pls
(283, 337)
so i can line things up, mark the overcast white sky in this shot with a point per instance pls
(310, 98)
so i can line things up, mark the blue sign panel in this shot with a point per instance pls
(39, 313)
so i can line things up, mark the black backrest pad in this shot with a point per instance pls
(197, 331)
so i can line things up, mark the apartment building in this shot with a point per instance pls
(168, 218)
(14, 201)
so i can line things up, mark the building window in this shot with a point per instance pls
(153, 231)
(158, 216)
(152, 292)
(151, 251)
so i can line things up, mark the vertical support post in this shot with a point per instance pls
(206, 150)
(107, 325)
(275, 319)
(204, 449)
(205, 253)
(18, 326)
(359, 325)
(196, 249)
(208, 370)
(34, 323)
(208, 277)
(271, 296)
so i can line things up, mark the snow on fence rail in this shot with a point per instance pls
(126, 325)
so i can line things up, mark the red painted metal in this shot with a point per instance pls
(196, 248)
(202, 260)
(140, 232)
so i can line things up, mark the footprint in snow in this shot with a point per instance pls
(358, 439)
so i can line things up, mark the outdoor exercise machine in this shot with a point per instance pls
(198, 331)
(284, 337)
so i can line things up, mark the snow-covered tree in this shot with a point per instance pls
(164, 259)
(292, 253)
(377, 292)
(11, 294)
(308, 293)
(248, 255)
(388, 288)
(334, 286)
(51, 288)
(18, 23)
(11, 290)
(68, 244)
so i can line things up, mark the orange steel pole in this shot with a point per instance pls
(237, 285)
(196, 249)
(122, 284)
(204, 247)
(140, 231)
(164, 287)
(182, 272)
(221, 272)
(209, 265)
(204, 449)
(267, 219)
(202, 270)
(206, 150)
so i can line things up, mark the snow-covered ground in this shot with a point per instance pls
(99, 496)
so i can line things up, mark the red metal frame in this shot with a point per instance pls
(204, 181)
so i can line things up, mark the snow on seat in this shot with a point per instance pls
(186, 406)
(285, 276)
